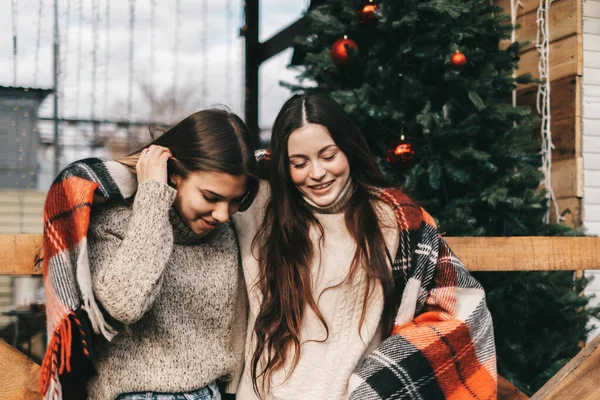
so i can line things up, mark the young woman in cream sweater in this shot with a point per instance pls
(317, 249)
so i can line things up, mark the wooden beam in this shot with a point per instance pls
(507, 391)
(19, 254)
(578, 380)
(19, 375)
(524, 253)
(284, 39)
(527, 253)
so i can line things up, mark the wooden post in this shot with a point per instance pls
(252, 65)
(257, 53)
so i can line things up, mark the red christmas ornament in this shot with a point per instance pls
(400, 153)
(342, 50)
(366, 14)
(458, 59)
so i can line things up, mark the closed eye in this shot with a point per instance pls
(239, 200)
(299, 166)
(330, 158)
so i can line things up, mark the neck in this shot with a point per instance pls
(338, 205)
(182, 234)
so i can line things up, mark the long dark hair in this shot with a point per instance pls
(209, 140)
(283, 246)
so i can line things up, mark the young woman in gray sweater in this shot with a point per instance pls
(166, 266)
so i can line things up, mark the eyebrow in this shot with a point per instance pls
(212, 193)
(320, 151)
(221, 196)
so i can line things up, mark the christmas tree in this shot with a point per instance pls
(428, 85)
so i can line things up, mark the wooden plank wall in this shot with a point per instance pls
(566, 71)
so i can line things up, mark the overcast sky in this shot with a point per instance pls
(78, 65)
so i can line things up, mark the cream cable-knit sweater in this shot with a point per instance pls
(324, 367)
(175, 294)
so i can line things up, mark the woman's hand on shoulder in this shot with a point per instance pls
(152, 164)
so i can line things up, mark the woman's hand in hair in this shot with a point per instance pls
(152, 164)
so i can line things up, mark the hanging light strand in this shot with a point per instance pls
(131, 57)
(15, 15)
(543, 103)
(106, 57)
(152, 58)
(205, 52)
(16, 112)
(37, 44)
(65, 55)
(95, 26)
(228, 47)
(131, 71)
(79, 59)
(175, 60)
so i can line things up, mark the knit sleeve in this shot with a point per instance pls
(128, 255)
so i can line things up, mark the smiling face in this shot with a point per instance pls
(318, 168)
(206, 199)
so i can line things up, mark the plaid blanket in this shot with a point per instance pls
(442, 344)
(72, 311)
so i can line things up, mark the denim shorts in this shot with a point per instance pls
(208, 392)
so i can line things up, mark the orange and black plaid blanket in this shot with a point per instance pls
(442, 344)
(72, 312)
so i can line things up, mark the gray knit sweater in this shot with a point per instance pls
(179, 299)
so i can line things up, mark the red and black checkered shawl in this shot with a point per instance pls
(72, 312)
(442, 344)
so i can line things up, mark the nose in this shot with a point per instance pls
(317, 172)
(221, 212)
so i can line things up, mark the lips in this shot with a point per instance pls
(321, 186)
(322, 189)
(207, 225)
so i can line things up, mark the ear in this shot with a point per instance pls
(175, 180)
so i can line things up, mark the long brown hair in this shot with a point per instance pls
(208, 140)
(283, 246)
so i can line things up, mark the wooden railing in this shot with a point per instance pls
(577, 380)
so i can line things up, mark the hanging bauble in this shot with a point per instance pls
(366, 13)
(401, 153)
(458, 59)
(343, 51)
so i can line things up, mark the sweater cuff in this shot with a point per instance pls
(231, 386)
(152, 193)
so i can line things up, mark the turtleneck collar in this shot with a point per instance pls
(182, 234)
(338, 205)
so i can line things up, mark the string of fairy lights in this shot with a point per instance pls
(88, 59)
